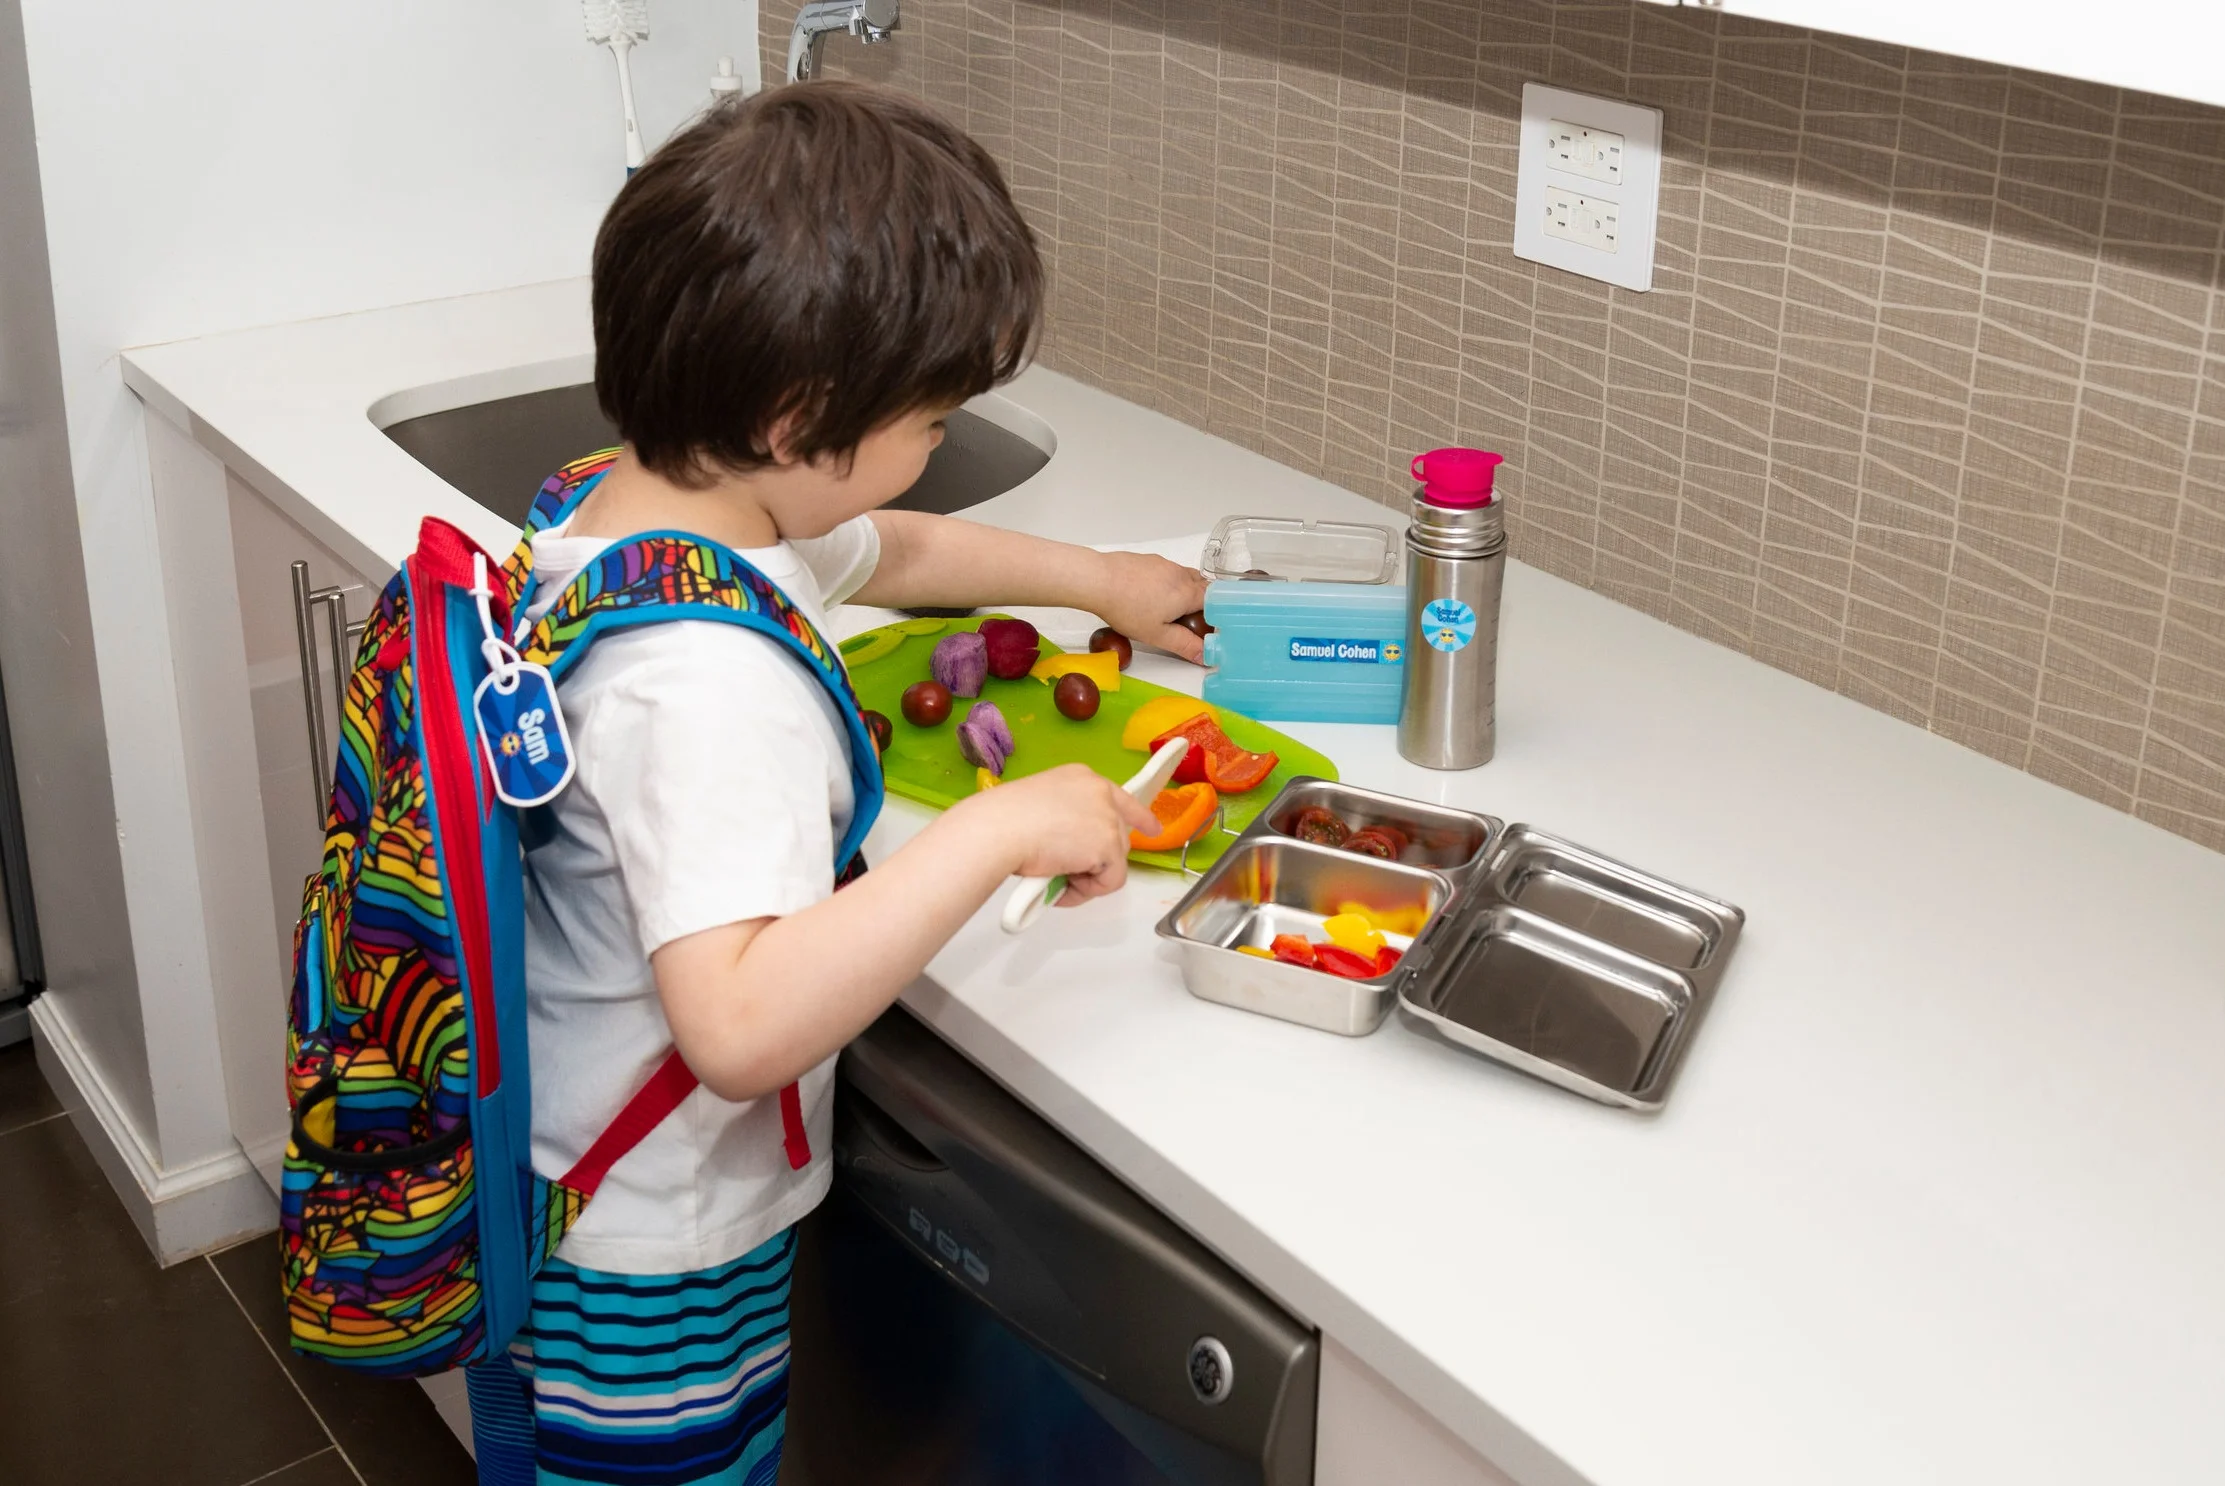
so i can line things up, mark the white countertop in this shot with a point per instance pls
(1938, 1197)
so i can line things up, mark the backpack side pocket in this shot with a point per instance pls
(381, 1245)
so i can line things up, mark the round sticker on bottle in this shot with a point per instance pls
(1448, 624)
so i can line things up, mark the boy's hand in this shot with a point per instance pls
(1069, 820)
(1142, 595)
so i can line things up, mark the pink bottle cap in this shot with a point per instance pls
(1456, 478)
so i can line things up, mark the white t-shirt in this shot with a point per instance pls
(713, 784)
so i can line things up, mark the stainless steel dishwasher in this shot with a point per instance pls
(981, 1304)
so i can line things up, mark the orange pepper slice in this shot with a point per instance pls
(1182, 812)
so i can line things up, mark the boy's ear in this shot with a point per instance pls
(780, 439)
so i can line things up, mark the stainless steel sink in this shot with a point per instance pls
(499, 452)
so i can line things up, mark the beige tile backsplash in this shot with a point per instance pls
(1927, 405)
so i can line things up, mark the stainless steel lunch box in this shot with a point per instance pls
(1574, 967)
(1267, 884)
(1538, 953)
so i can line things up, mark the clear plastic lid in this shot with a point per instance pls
(1276, 549)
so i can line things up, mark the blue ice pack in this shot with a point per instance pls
(1306, 652)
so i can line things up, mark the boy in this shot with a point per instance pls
(788, 299)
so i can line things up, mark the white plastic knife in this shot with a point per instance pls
(1031, 895)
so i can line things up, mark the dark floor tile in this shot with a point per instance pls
(389, 1430)
(112, 1369)
(24, 1096)
(323, 1469)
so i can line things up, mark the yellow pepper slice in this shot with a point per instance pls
(1352, 931)
(1100, 666)
(1407, 921)
(1253, 949)
(1157, 716)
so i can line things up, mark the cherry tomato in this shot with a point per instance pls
(1316, 824)
(1377, 842)
(1111, 639)
(1194, 622)
(926, 704)
(883, 731)
(1075, 696)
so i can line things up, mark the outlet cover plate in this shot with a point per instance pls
(1636, 198)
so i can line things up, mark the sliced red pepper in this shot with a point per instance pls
(1293, 949)
(1205, 735)
(1213, 759)
(1386, 960)
(1233, 770)
(1338, 960)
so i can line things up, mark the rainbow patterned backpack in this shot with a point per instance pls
(412, 1219)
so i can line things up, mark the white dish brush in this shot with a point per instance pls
(621, 25)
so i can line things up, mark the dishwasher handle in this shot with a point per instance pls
(333, 599)
(892, 1139)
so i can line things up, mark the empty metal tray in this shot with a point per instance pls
(1266, 885)
(1599, 896)
(1454, 842)
(1574, 967)
(1558, 1004)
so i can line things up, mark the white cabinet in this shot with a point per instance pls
(257, 796)
(227, 556)
(2172, 47)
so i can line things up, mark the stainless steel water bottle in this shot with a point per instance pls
(1455, 565)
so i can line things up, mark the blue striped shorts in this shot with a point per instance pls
(660, 1380)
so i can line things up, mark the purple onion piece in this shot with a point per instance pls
(985, 739)
(960, 662)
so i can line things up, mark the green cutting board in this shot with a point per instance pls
(924, 764)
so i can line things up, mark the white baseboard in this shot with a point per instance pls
(180, 1211)
(450, 1395)
(268, 1157)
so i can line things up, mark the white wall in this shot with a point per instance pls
(46, 628)
(229, 163)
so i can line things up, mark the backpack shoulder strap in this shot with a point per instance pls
(659, 577)
(655, 578)
(559, 496)
(566, 488)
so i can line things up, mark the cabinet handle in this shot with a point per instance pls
(334, 600)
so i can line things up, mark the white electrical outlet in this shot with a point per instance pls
(1585, 220)
(1595, 154)
(1589, 185)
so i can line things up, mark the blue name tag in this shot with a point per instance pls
(522, 731)
(1351, 652)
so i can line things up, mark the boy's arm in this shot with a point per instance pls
(940, 560)
(753, 1006)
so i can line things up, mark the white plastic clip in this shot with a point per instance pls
(501, 656)
(521, 725)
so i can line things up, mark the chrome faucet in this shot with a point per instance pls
(870, 21)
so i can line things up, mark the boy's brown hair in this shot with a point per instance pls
(833, 254)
